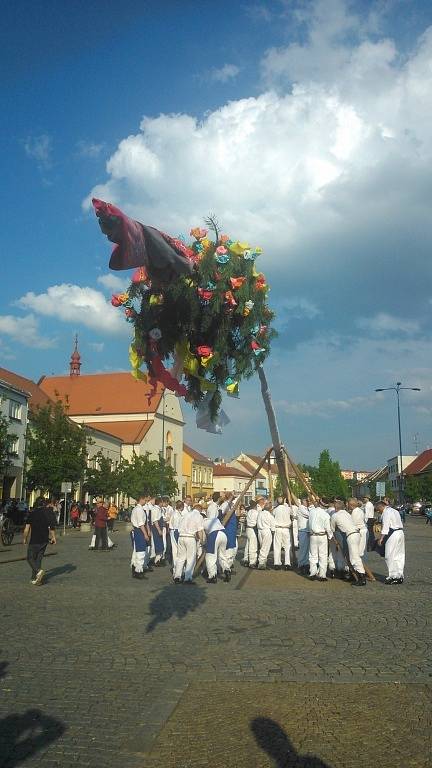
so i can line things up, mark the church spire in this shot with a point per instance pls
(75, 361)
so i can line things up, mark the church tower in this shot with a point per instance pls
(75, 361)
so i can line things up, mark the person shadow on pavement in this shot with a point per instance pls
(53, 572)
(271, 738)
(170, 602)
(21, 736)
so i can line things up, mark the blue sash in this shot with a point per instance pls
(157, 539)
(231, 532)
(138, 540)
(380, 548)
(176, 535)
(211, 541)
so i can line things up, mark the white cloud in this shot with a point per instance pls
(297, 308)
(24, 330)
(324, 408)
(224, 74)
(383, 324)
(77, 305)
(113, 282)
(89, 149)
(98, 346)
(39, 148)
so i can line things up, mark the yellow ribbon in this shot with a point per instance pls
(191, 365)
(233, 389)
(136, 361)
(239, 248)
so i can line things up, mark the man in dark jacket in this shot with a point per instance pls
(100, 524)
(40, 528)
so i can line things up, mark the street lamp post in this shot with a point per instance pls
(397, 389)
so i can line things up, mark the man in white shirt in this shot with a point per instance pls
(215, 546)
(320, 534)
(140, 538)
(266, 528)
(188, 503)
(369, 511)
(358, 518)
(173, 529)
(342, 520)
(303, 536)
(191, 530)
(213, 506)
(250, 554)
(282, 538)
(167, 512)
(392, 535)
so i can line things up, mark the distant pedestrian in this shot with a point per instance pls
(100, 524)
(112, 516)
(75, 515)
(40, 529)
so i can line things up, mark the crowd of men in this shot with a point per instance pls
(326, 538)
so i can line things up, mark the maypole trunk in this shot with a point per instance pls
(279, 454)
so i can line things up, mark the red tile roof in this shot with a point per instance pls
(420, 463)
(131, 432)
(196, 456)
(222, 470)
(250, 469)
(102, 393)
(38, 397)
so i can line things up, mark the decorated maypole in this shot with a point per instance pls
(200, 314)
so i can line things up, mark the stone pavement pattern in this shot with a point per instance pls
(100, 669)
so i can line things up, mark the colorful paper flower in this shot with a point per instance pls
(229, 298)
(117, 299)
(198, 233)
(223, 239)
(260, 283)
(156, 299)
(249, 304)
(223, 258)
(221, 250)
(205, 294)
(237, 282)
(239, 248)
(140, 275)
(204, 351)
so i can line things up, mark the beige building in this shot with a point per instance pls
(227, 478)
(197, 474)
(126, 416)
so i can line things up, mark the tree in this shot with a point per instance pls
(327, 479)
(142, 475)
(419, 487)
(102, 480)
(56, 449)
(296, 488)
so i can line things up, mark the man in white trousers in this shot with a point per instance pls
(215, 546)
(282, 536)
(173, 530)
(369, 511)
(266, 527)
(358, 518)
(320, 534)
(191, 530)
(341, 520)
(393, 537)
(140, 538)
(250, 555)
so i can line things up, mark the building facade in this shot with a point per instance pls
(14, 410)
(197, 474)
(394, 470)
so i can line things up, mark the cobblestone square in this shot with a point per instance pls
(99, 669)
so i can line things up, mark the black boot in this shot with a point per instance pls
(227, 576)
(212, 580)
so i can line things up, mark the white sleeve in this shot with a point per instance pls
(385, 523)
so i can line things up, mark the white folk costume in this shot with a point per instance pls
(250, 555)
(139, 543)
(189, 526)
(342, 520)
(212, 509)
(282, 538)
(394, 539)
(231, 531)
(266, 528)
(336, 560)
(295, 528)
(216, 543)
(358, 518)
(320, 533)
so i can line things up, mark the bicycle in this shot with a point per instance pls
(7, 530)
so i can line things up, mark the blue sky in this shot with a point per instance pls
(307, 127)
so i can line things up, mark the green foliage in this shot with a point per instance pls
(417, 488)
(142, 475)
(102, 480)
(56, 449)
(294, 485)
(229, 320)
(327, 479)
